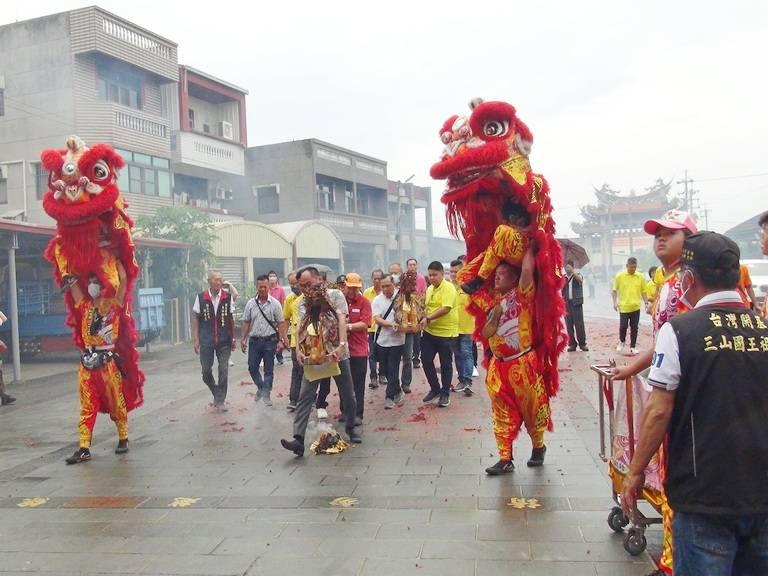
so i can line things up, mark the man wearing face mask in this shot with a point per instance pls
(669, 233)
(710, 397)
(99, 373)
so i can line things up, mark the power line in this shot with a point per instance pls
(758, 175)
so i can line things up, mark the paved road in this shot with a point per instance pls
(203, 493)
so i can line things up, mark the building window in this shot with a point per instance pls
(3, 187)
(267, 199)
(41, 180)
(325, 196)
(367, 166)
(119, 86)
(191, 116)
(333, 156)
(420, 219)
(144, 174)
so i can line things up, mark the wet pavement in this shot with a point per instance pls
(215, 494)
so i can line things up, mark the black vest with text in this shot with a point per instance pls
(718, 435)
(216, 326)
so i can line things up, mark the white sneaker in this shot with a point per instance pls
(634, 351)
(231, 363)
(322, 413)
(619, 346)
(475, 373)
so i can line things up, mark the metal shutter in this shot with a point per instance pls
(233, 270)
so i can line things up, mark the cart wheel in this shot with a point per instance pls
(617, 520)
(635, 542)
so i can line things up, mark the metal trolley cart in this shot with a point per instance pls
(634, 539)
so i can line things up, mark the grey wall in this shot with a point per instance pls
(288, 164)
(36, 62)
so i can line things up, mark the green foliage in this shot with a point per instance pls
(169, 266)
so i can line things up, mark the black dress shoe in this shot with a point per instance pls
(584, 349)
(501, 467)
(537, 457)
(296, 445)
(80, 455)
(122, 446)
(354, 436)
(5, 399)
(571, 348)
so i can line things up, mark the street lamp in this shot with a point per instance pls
(398, 224)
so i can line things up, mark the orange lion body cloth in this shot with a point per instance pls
(93, 237)
(485, 163)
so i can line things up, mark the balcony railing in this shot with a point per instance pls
(200, 150)
(137, 124)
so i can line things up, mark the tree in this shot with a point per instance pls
(170, 267)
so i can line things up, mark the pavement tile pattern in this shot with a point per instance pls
(202, 493)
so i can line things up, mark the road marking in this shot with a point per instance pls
(522, 503)
(183, 502)
(32, 502)
(345, 502)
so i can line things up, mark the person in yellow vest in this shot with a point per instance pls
(374, 366)
(440, 327)
(291, 315)
(464, 344)
(650, 289)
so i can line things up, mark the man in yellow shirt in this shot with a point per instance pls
(370, 293)
(440, 327)
(291, 315)
(628, 291)
(464, 344)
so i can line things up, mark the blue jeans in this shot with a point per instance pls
(720, 545)
(464, 359)
(262, 349)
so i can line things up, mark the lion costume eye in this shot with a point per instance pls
(496, 128)
(100, 170)
(69, 169)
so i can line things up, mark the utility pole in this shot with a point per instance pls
(687, 194)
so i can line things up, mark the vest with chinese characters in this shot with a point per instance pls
(718, 454)
(217, 327)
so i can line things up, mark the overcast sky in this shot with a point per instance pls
(616, 92)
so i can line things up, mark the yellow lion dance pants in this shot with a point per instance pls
(517, 397)
(100, 391)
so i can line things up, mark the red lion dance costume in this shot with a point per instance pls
(93, 244)
(485, 163)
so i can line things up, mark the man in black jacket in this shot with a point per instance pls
(711, 395)
(573, 294)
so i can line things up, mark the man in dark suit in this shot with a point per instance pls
(573, 294)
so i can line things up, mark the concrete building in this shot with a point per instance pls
(314, 180)
(208, 140)
(410, 222)
(91, 73)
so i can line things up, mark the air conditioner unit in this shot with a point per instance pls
(226, 131)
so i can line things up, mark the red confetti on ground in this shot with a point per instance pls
(387, 429)
(246, 383)
(565, 369)
(472, 430)
(233, 429)
(420, 417)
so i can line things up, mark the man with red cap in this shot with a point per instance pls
(669, 233)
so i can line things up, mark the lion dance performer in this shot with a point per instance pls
(94, 262)
(503, 211)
